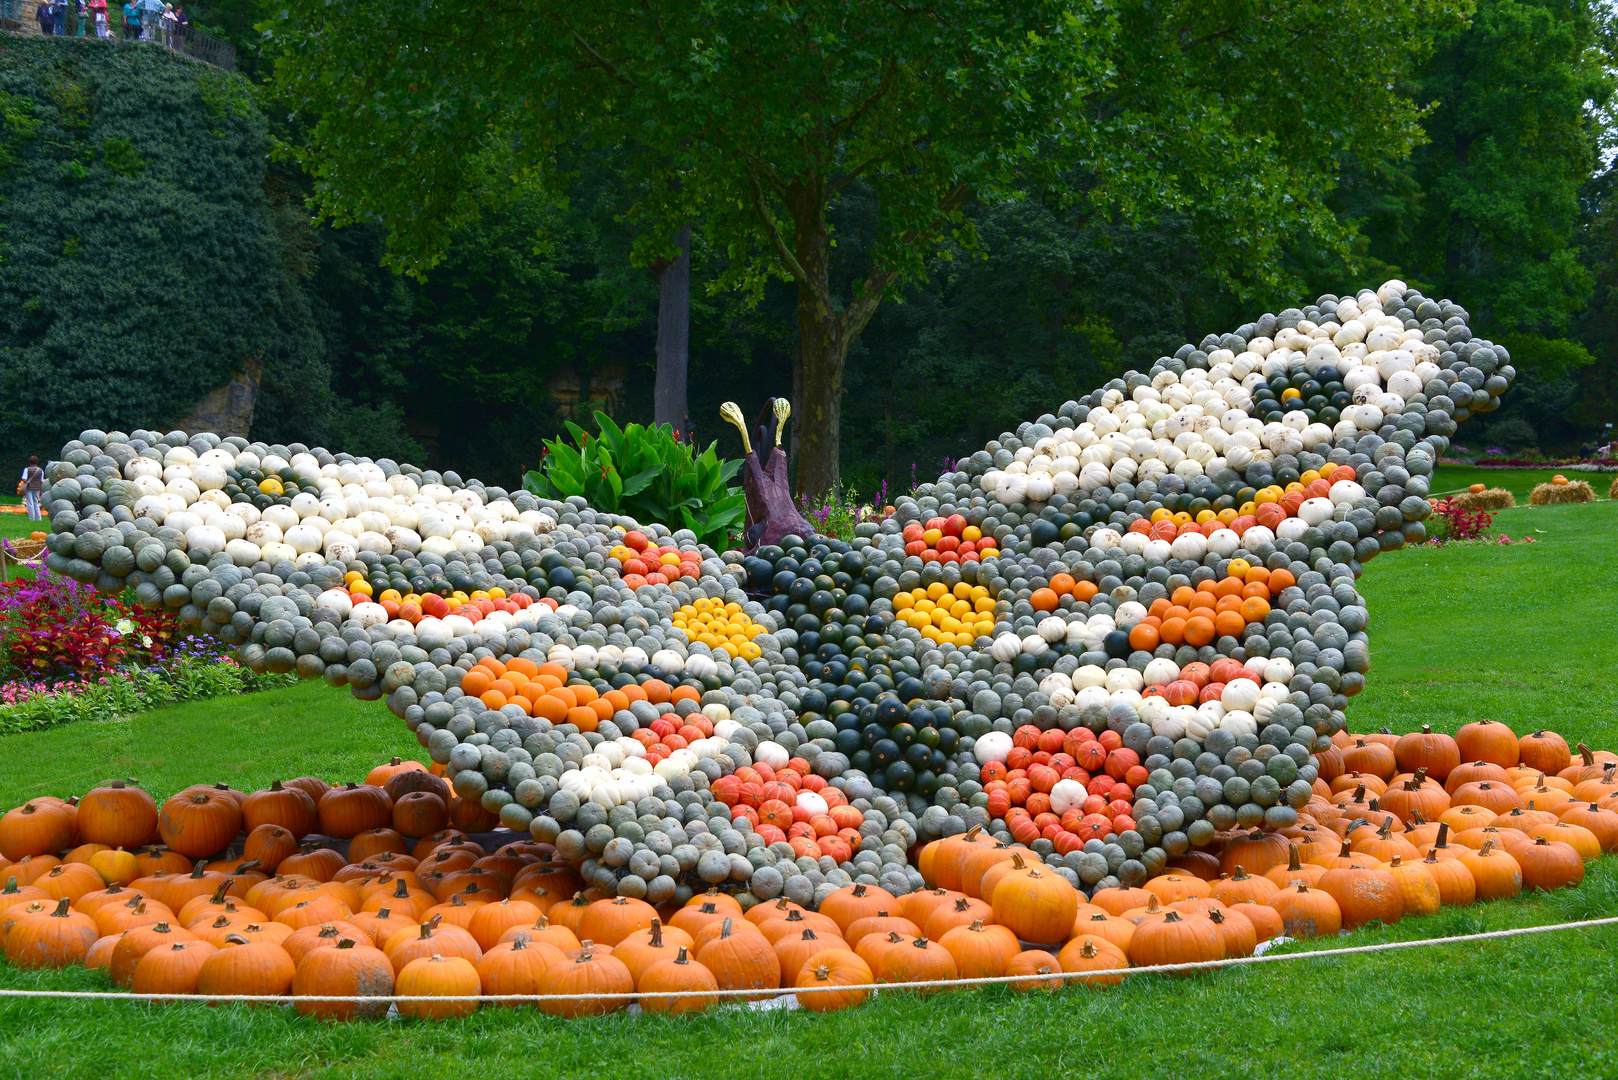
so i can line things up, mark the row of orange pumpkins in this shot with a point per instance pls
(438, 916)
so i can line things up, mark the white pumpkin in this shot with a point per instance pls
(1240, 694)
(1124, 678)
(1088, 676)
(992, 746)
(1067, 795)
(1057, 687)
(1238, 723)
(1160, 672)
(1006, 648)
(1278, 671)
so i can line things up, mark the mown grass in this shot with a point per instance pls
(1519, 634)
(246, 740)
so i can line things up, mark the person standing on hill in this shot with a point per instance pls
(33, 486)
(98, 9)
(132, 20)
(83, 14)
(42, 15)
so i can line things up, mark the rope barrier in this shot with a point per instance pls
(940, 984)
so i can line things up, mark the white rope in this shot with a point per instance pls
(941, 984)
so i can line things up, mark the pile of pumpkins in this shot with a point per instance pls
(1397, 825)
(1118, 640)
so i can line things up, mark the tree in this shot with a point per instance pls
(752, 119)
(674, 337)
(1492, 214)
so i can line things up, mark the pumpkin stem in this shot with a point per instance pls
(920, 943)
(1488, 845)
(977, 926)
(11, 885)
(657, 933)
(707, 908)
(894, 937)
(1151, 905)
(1241, 873)
(821, 972)
(809, 935)
(346, 943)
(681, 958)
(235, 939)
(859, 889)
(223, 920)
(1016, 861)
(61, 908)
(1587, 754)
(1346, 850)
(724, 929)
(1293, 862)
(1359, 794)
(1443, 835)
(519, 942)
(1089, 950)
(402, 892)
(794, 915)
(1172, 916)
(199, 869)
(962, 904)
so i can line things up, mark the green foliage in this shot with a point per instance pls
(122, 158)
(1490, 216)
(171, 278)
(754, 121)
(136, 690)
(17, 123)
(647, 473)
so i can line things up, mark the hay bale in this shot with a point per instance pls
(1578, 491)
(1489, 499)
(1612, 492)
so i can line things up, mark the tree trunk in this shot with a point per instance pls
(795, 439)
(820, 337)
(674, 340)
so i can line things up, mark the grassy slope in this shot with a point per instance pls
(1520, 634)
(245, 741)
(1452, 478)
(1511, 633)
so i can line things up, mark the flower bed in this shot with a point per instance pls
(71, 653)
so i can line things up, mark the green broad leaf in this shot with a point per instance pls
(638, 482)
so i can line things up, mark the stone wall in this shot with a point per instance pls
(227, 410)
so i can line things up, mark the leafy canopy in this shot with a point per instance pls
(752, 117)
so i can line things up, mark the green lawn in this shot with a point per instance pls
(16, 527)
(1518, 634)
(1450, 479)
